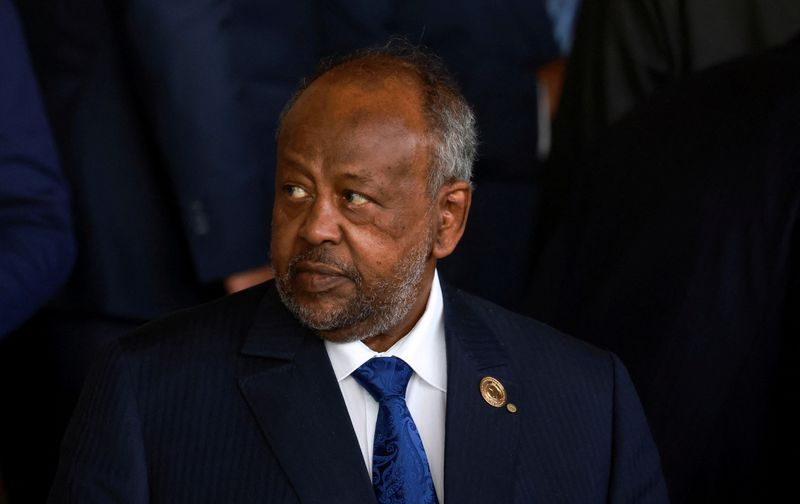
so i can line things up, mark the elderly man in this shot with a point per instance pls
(356, 376)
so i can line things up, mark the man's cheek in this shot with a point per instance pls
(279, 257)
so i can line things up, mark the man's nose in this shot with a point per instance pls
(322, 223)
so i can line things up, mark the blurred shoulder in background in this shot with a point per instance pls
(678, 250)
(37, 247)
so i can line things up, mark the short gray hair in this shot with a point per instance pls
(451, 121)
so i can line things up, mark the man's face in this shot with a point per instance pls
(353, 223)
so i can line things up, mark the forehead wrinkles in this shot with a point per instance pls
(362, 143)
(344, 119)
(397, 81)
(364, 134)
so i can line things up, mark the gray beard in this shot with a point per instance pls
(366, 314)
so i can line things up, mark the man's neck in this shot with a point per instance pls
(385, 341)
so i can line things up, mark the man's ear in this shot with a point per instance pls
(453, 202)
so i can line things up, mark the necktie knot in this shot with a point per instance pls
(384, 377)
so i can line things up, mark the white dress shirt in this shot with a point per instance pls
(423, 348)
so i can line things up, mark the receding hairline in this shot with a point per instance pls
(375, 66)
(366, 70)
(449, 121)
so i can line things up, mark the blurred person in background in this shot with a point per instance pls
(170, 205)
(680, 252)
(628, 256)
(37, 247)
(625, 50)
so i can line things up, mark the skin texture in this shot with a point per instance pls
(353, 217)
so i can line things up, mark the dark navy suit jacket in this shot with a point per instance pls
(234, 401)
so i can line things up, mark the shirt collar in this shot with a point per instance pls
(423, 348)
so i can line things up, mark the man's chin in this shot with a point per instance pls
(319, 308)
(345, 335)
(329, 316)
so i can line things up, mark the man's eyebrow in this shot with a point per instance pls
(294, 158)
(295, 164)
(358, 177)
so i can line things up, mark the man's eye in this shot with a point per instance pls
(295, 192)
(355, 199)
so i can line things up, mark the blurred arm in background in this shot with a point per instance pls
(184, 70)
(37, 248)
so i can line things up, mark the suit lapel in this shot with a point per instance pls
(294, 395)
(480, 439)
(287, 380)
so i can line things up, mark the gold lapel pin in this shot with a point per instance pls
(493, 391)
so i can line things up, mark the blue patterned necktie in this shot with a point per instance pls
(400, 472)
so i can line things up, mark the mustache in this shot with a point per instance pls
(323, 256)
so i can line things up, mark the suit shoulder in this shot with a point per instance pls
(526, 338)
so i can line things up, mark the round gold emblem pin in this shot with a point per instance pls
(493, 391)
